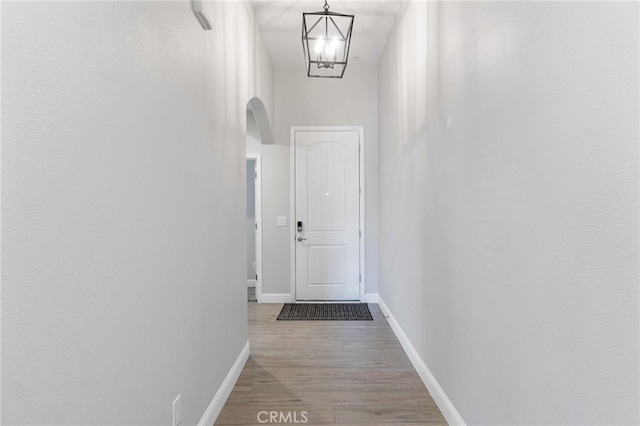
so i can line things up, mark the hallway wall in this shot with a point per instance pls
(509, 205)
(123, 207)
(304, 101)
(251, 220)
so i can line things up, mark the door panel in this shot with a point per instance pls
(327, 186)
(327, 264)
(327, 183)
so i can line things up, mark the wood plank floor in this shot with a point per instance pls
(347, 372)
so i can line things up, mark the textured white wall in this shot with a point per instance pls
(509, 205)
(123, 196)
(304, 101)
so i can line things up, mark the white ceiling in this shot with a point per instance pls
(281, 24)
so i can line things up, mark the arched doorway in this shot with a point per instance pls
(258, 131)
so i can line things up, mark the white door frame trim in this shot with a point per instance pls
(292, 198)
(258, 213)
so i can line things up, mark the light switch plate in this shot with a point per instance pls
(282, 221)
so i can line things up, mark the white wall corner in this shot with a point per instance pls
(276, 297)
(437, 393)
(220, 398)
(371, 298)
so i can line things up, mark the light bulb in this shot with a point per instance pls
(319, 46)
(332, 48)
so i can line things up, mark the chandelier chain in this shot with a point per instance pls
(326, 6)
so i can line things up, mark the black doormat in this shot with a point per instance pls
(325, 311)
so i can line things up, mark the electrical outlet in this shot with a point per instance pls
(282, 221)
(177, 410)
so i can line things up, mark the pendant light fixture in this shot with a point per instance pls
(326, 37)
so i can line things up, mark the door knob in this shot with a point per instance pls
(301, 238)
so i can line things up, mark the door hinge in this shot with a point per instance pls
(255, 175)
(256, 226)
(256, 277)
(360, 277)
(360, 234)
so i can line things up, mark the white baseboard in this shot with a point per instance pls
(437, 393)
(371, 298)
(215, 406)
(276, 297)
(251, 283)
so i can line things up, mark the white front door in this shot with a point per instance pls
(327, 215)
